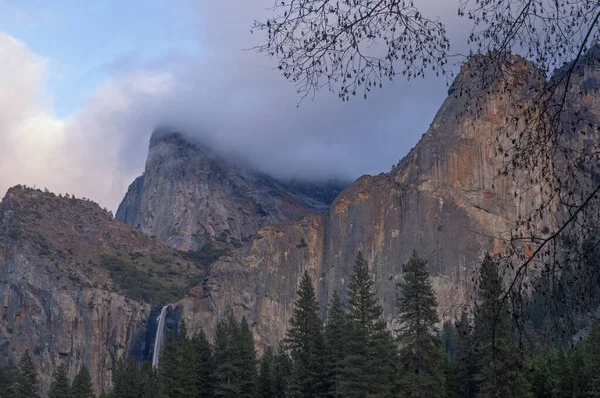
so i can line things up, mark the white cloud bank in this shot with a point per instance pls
(79, 155)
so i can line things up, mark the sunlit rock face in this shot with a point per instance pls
(445, 200)
(189, 194)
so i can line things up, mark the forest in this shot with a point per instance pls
(354, 354)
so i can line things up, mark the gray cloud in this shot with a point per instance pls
(239, 100)
(224, 94)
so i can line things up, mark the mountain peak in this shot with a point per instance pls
(190, 194)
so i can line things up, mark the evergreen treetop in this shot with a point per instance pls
(420, 350)
(82, 384)
(27, 378)
(500, 364)
(369, 367)
(304, 339)
(60, 387)
(265, 386)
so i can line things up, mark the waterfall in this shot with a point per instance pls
(160, 333)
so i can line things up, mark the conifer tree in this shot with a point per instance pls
(369, 367)
(82, 384)
(226, 372)
(336, 341)
(60, 387)
(126, 378)
(420, 350)
(203, 365)
(283, 372)
(541, 381)
(294, 388)
(149, 386)
(168, 365)
(8, 378)
(561, 374)
(592, 361)
(265, 386)
(27, 378)
(464, 358)
(578, 371)
(245, 359)
(304, 339)
(500, 365)
(183, 383)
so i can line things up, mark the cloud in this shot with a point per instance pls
(80, 154)
(224, 94)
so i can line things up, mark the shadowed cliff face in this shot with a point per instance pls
(189, 195)
(444, 199)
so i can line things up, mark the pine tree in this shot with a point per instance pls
(500, 367)
(265, 385)
(304, 339)
(540, 379)
(560, 373)
(184, 379)
(60, 387)
(226, 372)
(203, 365)
(283, 372)
(82, 384)
(295, 387)
(464, 358)
(149, 387)
(336, 341)
(578, 371)
(27, 378)
(592, 361)
(126, 378)
(168, 365)
(245, 359)
(448, 339)
(8, 378)
(420, 349)
(370, 362)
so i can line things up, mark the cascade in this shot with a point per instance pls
(159, 338)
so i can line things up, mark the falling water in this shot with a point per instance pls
(158, 340)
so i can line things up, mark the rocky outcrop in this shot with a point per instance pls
(64, 288)
(189, 194)
(445, 200)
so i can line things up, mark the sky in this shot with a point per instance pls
(84, 84)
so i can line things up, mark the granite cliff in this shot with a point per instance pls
(190, 195)
(446, 199)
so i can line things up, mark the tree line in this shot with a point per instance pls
(23, 382)
(354, 353)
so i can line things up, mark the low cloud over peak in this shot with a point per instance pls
(222, 93)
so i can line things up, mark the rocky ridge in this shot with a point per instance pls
(190, 195)
(76, 286)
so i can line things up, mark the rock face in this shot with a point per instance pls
(78, 287)
(444, 200)
(189, 195)
(63, 284)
